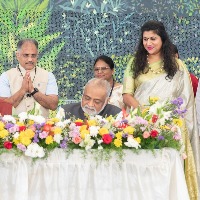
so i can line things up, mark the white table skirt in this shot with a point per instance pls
(142, 176)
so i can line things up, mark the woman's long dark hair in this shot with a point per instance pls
(140, 61)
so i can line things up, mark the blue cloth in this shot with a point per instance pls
(52, 87)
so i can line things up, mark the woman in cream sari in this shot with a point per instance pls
(155, 72)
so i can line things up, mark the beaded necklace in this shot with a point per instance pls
(22, 74)
(28, 95)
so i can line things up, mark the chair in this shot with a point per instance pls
(5, 108)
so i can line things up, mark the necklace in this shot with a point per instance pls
(22, 74)
(158, 71)
(112, 87)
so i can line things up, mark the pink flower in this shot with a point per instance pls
(184, 156)
(107, 139)
(146, 134)
(43, 134)
(177, 136)
(32, 128)
(13, 129)
(76, 140)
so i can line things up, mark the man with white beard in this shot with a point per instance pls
(94, 101)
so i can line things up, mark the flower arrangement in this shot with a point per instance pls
(152, 126)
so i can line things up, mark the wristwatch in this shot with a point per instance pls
(34, 91)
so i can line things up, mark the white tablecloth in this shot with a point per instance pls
(142, 176)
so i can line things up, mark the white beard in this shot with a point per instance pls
(91, 110)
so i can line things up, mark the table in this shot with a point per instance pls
(142, 176)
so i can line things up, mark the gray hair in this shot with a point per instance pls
(101, 83)
(21, 42)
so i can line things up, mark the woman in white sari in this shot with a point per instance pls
(104, 69)
(154, 71)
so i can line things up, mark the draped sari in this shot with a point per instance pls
(156, 85)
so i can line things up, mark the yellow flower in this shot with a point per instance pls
(145, 111)
(153, 99)
(30, 122)
(118, 142)
(50, 122)
(103, 131)
(129, 130)
(178, 122)
(16, 141)
(118, 135)
(165, 127)
(83, 127)
(138, 139)
(79, 120)
(49, 139)
(3, 133)
(92, 122)
(20, 123)
(1, 126)
(110, 118)
(27, 133)
(57, 130)
(25, 140)
(55, 119)
(83, 133)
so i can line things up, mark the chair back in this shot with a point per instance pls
(5, 108)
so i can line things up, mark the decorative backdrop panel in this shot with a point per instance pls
(72, 33)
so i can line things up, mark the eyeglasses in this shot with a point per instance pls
(29, 55)
(103, 69)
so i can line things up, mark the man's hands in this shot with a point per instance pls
(27, 85)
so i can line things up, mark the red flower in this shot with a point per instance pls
(107, 139)
(122, 125)
(22, 128)
(154, 133)
(47, 127)
(154, 118)
(79, 123)
(7, 144)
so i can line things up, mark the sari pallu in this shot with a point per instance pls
(179, 86)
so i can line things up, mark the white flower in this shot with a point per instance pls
(34, 150)
(87, 142)
(163, 117)
(23, 116)
(57, 138)
(153, 109)
(132, 143)
(38, 119)
(94, 130)
(16, 135)
(100, 147)
(100, 141)
(9, 118)
(60, 114)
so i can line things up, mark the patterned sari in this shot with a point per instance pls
(156, 85)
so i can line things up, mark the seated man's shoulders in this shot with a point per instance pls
(111, 110)
(70, 106)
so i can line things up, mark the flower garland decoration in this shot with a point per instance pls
(153, 126)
